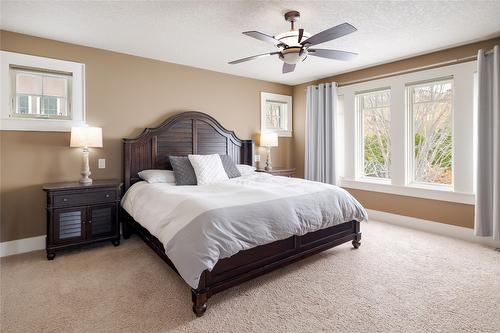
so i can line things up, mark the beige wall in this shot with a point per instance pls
(124, 94)
(433, 210)
(439, 211)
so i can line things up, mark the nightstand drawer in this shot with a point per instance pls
(84, 198)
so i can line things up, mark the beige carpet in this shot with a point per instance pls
(400, 280)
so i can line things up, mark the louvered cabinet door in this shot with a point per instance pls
(101, 221)
(69, 225)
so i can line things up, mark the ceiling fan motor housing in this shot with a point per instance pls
(291, 38)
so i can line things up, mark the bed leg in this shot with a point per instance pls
(199, 302)
(356, 242)
(126, 232)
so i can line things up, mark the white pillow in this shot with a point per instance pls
(157, 176)
(245, 169)
(208, 168)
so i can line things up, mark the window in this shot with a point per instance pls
(23, 104)
(276, 114)
(40, 94)
(411, 134)
(430, 109)
(375, 133)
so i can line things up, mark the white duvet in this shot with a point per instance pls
(199, 225)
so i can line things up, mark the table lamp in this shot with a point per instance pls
(268, 140)
(86, 137)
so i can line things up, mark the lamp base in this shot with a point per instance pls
(269, 165)
(85, 180)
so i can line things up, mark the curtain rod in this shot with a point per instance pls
(415, 69)
(408, 71)
(411, 70)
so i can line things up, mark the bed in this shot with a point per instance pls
(198, 133)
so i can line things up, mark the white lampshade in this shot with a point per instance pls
(269, 140)
(90, 137)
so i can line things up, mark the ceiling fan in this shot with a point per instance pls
(294, 45)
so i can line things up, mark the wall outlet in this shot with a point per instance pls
(101, 163)
(257, 158)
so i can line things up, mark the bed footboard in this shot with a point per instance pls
(251, 263)
(263, 259)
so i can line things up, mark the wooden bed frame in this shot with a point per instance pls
(198, 133)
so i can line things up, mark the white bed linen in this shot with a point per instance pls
(198, 225)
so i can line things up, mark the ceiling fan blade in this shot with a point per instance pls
(332, 54)
(263, 37)
(330, 34)
(287, 68)
(252, 58)
(301, 34)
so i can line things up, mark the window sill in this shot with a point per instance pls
(373, 180)
(444, 194)
(38, 125)
(280, 133)
(433, 187)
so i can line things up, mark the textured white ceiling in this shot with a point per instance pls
(207, 34)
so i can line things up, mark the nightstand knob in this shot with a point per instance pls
(90, 222)
(107, 195)
(65, 199)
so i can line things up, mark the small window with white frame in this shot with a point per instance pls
(37, 93)
(276, 114)
(40, 94)
(430, 121)
(374, 134)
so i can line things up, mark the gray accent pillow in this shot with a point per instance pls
(183, 170)
(229, 166)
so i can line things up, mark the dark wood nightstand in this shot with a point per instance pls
(82, 214)
(280, 172)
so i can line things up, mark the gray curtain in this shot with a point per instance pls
(487, 219)
(320, 141)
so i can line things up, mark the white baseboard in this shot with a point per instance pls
(432, 227)
(22, 246)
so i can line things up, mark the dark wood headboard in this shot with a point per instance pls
(180, 135)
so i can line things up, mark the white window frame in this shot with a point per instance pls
(77, 98)
(410, 140)
(360, 139)
(40, 98)
(286, 130)
(400, 183)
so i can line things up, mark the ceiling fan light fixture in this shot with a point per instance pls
(293, 55)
